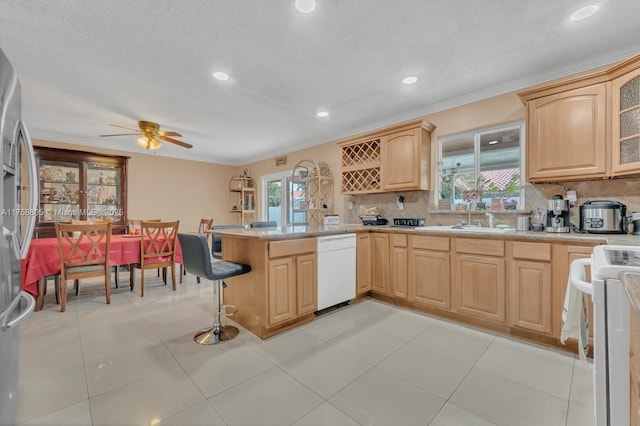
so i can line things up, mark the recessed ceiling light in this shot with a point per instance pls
(584, 13)
(221, 75)
(409, 80)
(323, 114)
(305, 6)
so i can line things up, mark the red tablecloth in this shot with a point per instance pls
(43, 259)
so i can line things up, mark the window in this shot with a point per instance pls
(483, 167)
(276, 200)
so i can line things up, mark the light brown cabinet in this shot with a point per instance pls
(585, 127)
(480, 279)
(390, 159)
(292, 282)
(530, 286)
(405, 160)
(430, 271)
(625, 121)
(380, 263)
(398, 266)
(567, 134)
(363, 263)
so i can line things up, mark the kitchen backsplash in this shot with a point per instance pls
(422, 204)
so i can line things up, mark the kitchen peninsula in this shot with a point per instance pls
(510, 282)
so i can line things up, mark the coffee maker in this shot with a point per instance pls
(558, 215)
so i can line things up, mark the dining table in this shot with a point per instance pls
(43, 260)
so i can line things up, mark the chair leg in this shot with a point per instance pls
(218, 333)
(164, 275)
(76, 286)
(107, 285)
(42, 284)
(56, 288)
(116, 274)
(131, 278)
(63, 295)
(159, 273)
(142, 282)
(198, 280)
(173, 276)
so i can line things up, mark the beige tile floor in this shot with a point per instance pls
(134, 363)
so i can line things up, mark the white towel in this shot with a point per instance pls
(575, 311)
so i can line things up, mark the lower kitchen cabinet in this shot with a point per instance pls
(363, 263)
(480, 279)
(306, 284)
(530, 286)
(380, 263)
(430, 271)
(398, 266)
(292, 282)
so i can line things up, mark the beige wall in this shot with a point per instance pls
(189, 190)
(171, 189)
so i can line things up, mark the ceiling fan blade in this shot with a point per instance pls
(170, 133)
(122, 127)
(177, 142)
(121, 134)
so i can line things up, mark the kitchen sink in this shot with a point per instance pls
(465, 228)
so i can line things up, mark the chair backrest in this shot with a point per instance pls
(216, 242)
(135, 223)
(195, 255)
(158, 242)
(205, 225)
(269, 224)
(83, 245)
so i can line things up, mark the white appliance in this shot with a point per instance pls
(336, 269)
(611, 332)
(18, 199)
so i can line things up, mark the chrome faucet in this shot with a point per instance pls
(490, 216)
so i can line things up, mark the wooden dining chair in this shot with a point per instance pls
(115, 267)
(205, 225)
(157, 250)
(84, 253)
(133, 225)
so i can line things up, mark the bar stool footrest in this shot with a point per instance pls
(214, 336)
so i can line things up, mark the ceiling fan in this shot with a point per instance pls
(151, 135)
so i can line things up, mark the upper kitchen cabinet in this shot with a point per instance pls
(391, 159)
(567, 130)
(585, 127)
(625, 118)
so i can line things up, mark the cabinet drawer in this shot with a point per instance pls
(430, 243)
(531, 251)
(399, 240)
(292, 247)
(479, 246)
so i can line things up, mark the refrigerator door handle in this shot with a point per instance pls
(33, 187)
(31, 303)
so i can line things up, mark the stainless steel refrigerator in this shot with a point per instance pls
(18, 199)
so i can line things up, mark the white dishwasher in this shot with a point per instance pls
(336, 269)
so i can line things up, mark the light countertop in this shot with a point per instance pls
(304, 231)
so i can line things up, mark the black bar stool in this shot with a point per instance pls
(197, 261)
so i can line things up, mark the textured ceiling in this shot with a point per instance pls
(84, 64)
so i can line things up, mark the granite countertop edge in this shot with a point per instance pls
(306, 231)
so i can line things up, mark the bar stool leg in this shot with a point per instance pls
(217, 333)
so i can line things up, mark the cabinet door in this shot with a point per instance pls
(307, 284)
(567, 135)
(531, 295)
(380, 263)
(61, 191)
(429, 278)
(401, 161)
(398, 268)
(480, 282)
(625, 124)
(363, 263)
(282, 290)
(104, 192)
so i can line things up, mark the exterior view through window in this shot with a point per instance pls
(482, 169)
(280, 199)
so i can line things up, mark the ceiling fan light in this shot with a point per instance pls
(305, 6)
(147, 142)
